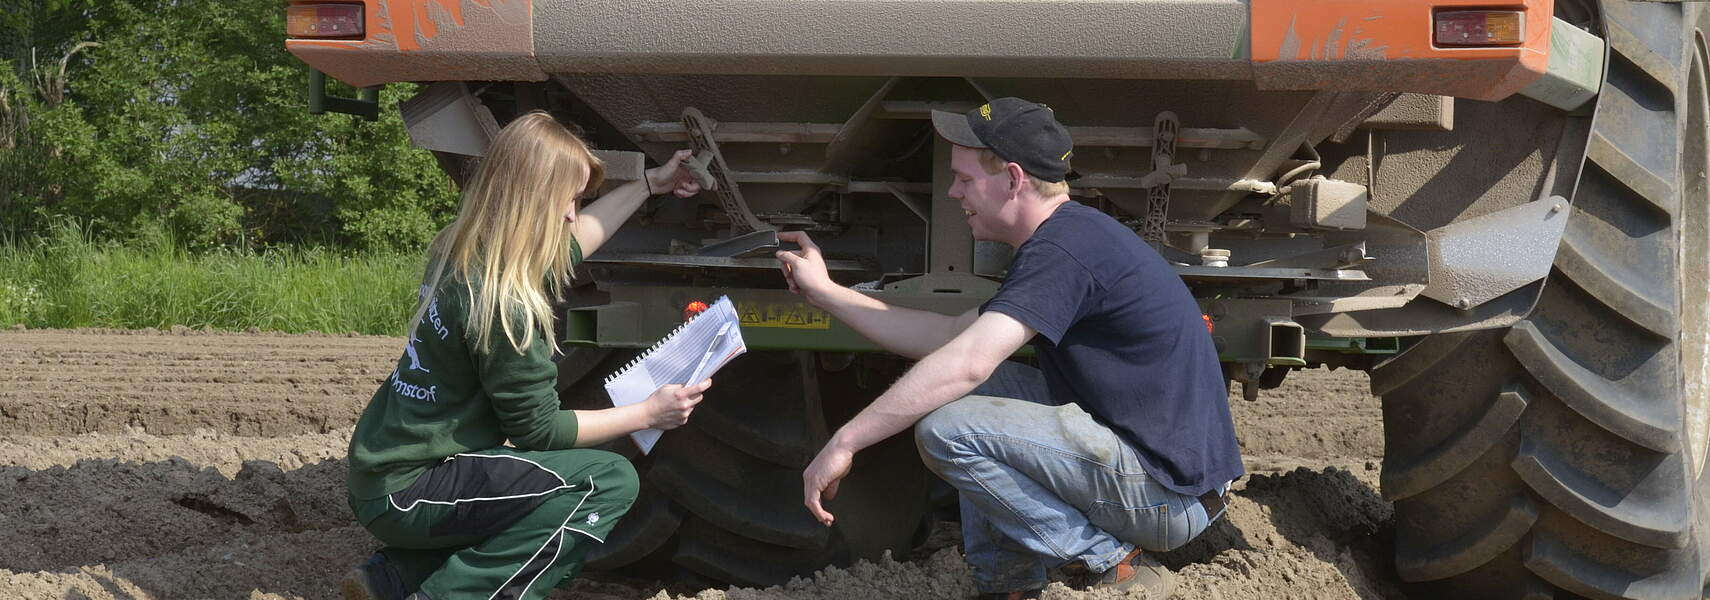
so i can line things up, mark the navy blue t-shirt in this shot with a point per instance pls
(1121, 336)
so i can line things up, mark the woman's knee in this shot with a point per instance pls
(615, 479)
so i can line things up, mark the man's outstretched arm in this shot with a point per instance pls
(906, 331)
(943, 376)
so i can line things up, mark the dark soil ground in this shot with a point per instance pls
(143, 464)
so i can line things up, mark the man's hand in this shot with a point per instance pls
(669, 406)
(822, 476)
(804, 269)
(672, 177)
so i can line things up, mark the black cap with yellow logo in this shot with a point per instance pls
(1018, 131)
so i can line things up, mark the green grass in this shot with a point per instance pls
(67, 281)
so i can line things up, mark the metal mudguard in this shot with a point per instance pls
(1282, 44)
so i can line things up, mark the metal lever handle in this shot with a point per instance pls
(697, 166)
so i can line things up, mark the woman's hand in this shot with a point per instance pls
(672, 177)
(669, 406)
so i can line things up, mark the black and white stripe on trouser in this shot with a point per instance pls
(486, 492)
(525, 577)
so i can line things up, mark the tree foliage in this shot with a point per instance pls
(189, 116)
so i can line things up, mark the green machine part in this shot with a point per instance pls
(1245, 330)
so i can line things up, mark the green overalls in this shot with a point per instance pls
(461, 514)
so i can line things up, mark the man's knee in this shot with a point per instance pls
(932, 432)
(935, 434)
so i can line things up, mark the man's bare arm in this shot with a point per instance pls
(943, 376)
(906, 331)
(939, 378)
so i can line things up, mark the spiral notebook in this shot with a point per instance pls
(689, 354)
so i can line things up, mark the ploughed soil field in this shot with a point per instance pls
(187, 464)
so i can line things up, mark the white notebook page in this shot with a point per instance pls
(687, 355)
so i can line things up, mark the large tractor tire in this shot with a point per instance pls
(722, 495)
(1567, 453)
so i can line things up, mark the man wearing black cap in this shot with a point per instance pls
(1120, 444)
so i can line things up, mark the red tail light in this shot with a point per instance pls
(693, 308)
(1480, 28)
(324, 21)
(1208, 326)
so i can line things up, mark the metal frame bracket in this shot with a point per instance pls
(365, 105)
(1164, 170)
(1475, 260)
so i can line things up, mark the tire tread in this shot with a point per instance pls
(1655, 190)
(1402, 480)
(1658, 520)
(1472, 549)
(1608, 404)
(1594, 275)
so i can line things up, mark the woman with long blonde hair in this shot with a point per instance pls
(461, 514)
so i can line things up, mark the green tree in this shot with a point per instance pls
(189, 115)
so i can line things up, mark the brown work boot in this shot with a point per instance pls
(374, 579)
(1137, 571)
(1022, 595)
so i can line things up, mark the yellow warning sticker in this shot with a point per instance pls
(787, 315)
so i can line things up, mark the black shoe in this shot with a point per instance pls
(1022, 595)
(374, 579)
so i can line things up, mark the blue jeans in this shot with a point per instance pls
(1043, 485)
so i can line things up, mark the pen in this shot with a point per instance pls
(713, 347)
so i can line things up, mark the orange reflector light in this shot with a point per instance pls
(693, 308)
(1208, 327)
(1480, 27)
(324, 21)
